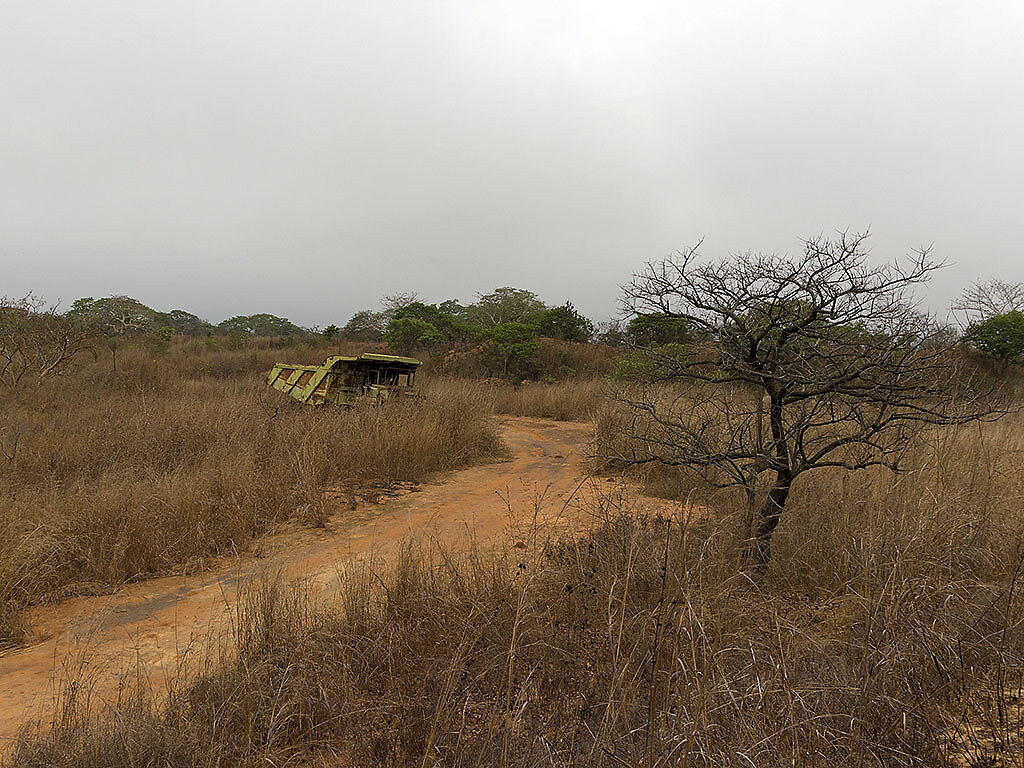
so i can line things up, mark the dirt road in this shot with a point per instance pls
(155, 620)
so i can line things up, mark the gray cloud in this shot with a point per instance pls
(305, 158)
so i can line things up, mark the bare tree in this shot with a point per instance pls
(392, 302)
(985, 299)
(795, 364)
(36, 341)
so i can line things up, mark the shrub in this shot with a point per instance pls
(1000, 337)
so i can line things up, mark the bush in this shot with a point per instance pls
(1000, 337)
(406, 333)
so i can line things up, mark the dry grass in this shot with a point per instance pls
(887, 632)
(572, 400)
(119, 475)
(560, 359)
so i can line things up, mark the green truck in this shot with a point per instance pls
(345, 380)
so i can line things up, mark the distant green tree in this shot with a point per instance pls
(504, 305)
(446, 317)
(115, 315)
(514, 347)
(565, 323)
(262, 324)
(417, 310)
(272, 325)
(1000, 337)
(330, 331)
(82, 306)
(657, 329)
(184, 322)
(406, 333)
(238, 324)
(452, 308)
(123, 315)
(392, 302)
(452, 322)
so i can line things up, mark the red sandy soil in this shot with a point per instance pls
(96, 638)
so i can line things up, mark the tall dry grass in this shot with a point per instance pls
(888, 632)
(570, 400)
(169, 460)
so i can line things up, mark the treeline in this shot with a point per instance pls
(502, 333)
(505, 323)
(123, 315)
(498, 334)
(405, 321)
(503, 326)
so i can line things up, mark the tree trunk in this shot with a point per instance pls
(760, 551)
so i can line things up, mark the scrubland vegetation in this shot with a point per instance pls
(888, 631)
(136, 461)
(574, 400)
(114, 475)
(886, 627)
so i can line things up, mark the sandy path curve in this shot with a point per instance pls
(154, 620)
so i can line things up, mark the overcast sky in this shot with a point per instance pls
(304, 158)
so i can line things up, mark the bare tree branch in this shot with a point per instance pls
(988, 298)
(37, 342)
(797, 363)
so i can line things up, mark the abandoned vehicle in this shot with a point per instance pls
(347, 380)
